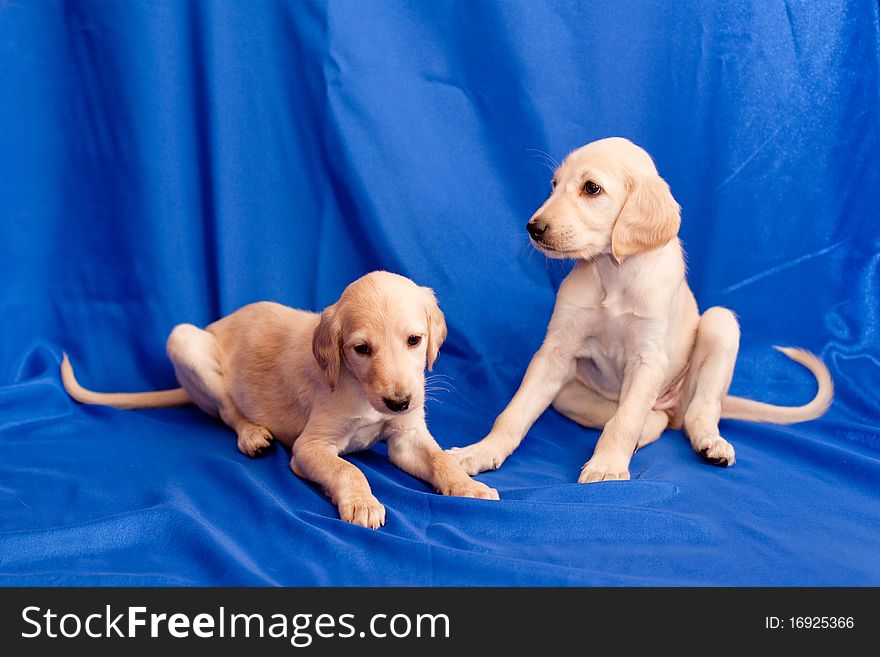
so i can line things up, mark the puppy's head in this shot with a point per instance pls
(607, 198)
(383, 330)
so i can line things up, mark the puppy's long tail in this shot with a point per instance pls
(127, 400)
(738, 408)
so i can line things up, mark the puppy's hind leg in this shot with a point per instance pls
(589, 409)
(709, 376)
(198, 363)
(253, 439)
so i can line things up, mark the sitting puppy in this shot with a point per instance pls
(627, 350)
(324, 385)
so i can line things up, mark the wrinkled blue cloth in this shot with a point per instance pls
(166, 162)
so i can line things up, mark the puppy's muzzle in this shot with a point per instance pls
(396, 405)
(536, 229)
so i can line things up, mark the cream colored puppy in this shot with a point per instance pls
(627, 350)
(324, 385)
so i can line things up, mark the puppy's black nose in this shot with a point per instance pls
(396, 405)
(536, 229)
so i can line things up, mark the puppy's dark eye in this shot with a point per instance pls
(553, 183)
(413, 340)
(363, 349)
(591, 188)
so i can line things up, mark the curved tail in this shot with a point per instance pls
(738, 408)
(126, 400)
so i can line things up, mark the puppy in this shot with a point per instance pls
(324, 385)
(626, 350)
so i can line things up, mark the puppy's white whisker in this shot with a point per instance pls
(552, 160)
(439, 382)
(547, 164)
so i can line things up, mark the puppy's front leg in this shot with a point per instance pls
(551, 368)
(620, 437)
(416, 452)
(317, 459)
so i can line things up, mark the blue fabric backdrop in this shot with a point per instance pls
(163, 162)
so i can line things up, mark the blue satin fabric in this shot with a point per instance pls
(163, 162)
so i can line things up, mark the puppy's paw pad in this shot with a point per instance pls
(478, 458)
(716, 451)
(473, 489)
(365, 511)
(596, 470)
(254, 440)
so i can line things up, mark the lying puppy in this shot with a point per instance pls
(324, 385)
(626, 350)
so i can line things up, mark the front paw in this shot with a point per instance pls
(363, 510)
(604, 468)
(479, 457)
(470, 488)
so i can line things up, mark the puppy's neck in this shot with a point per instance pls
(614, 273)
(640, 269)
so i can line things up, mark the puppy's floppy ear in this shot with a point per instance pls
(648, 220)
(436, 326)
(327, 345)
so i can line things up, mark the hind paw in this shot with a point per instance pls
(253, 440)
(715, 450)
